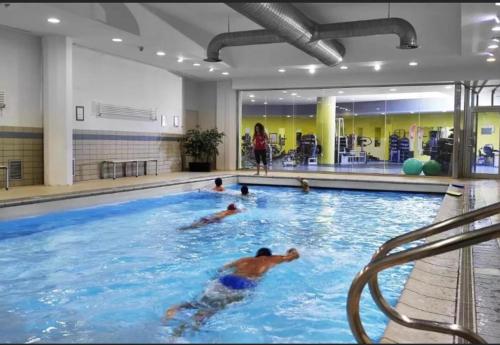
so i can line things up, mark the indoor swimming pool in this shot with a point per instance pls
(108, 273)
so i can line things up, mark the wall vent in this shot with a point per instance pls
(15, 169)
(2, 100)
(111, 111)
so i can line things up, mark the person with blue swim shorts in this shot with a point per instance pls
(231, 287)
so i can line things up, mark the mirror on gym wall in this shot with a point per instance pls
(382, 130)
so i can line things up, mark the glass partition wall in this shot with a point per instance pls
(351, 130)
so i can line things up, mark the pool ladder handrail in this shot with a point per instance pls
(382, 259)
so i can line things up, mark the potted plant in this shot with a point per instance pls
(201, 145)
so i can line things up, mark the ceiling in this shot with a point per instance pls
(450, 35)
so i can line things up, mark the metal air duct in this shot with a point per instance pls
(292, 25)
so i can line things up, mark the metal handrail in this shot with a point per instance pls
(382, 260)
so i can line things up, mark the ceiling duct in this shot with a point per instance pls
(285, 23)
(398, 26)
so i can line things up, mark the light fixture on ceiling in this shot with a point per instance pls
(497, 3)
(312, 70)
(211, 69)
(160, 53)
(264, 116)
(294, 94)
(311, 115)
(116, 39)
(251, 96)
(377, 67)
(393, 89)
(282, 70)
(289, 116)
(265, 103)
(413, 63)
(493, 46)
(496, 28)
(496, 39)
(252, 100)
(280, 98)
(344, 67)
(196, 64)
(225, 73)
(54, 20)
(285, 91)
(340, 91)
(491, 59)
(180, 59)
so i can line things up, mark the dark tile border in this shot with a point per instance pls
(21, 135)
(84, 136)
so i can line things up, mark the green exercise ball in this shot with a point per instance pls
(431, 168)
(412, 166)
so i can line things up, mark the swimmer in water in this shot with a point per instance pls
(217, 217)
(244, 190)
(218, 185)
(304, 184)
(228, 288)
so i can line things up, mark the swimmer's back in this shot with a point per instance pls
(255, 267)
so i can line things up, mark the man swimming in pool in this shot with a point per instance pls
(228, 288)
(217, 217)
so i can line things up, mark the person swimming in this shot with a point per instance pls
(218, 185)
(231, 287)
(244, 190)
(304, 184)
(217, 217)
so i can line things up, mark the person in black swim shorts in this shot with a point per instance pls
(229, 288)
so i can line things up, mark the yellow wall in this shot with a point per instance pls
(488, 119)
(368, 123)
(273, 125)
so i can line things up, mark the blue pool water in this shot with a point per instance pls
(108, 273)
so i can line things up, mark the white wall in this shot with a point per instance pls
(99, 77)
(227, 122)
(207, 105)
(21, 78)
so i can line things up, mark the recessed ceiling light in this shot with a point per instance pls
(497, 3)
(289, 116)
(344, 67)
(54, 20)
(282, 70)
(294, 94)
(491, 59)
(299, 96)
(252, 100)
(280, 99)
(493, 46)
(311, 115)
(180, 59)
(264, 116)
(496, 39)
(392, 89)
(285, 91)
(495, 28)
(340, 91)
(489, 54)
(211, 69)
(116, 39)
(413, 63)
(196, 64)
(225, 73)
(265, 102)
(377, 67)
(160, 53)
(312, 70)
(251, 96)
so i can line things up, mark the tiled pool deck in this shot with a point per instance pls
(431, 292)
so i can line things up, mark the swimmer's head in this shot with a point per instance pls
(263, 252)
(244, 189)
(231, 207)
(218, 182)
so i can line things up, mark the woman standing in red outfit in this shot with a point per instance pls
(260, 142)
